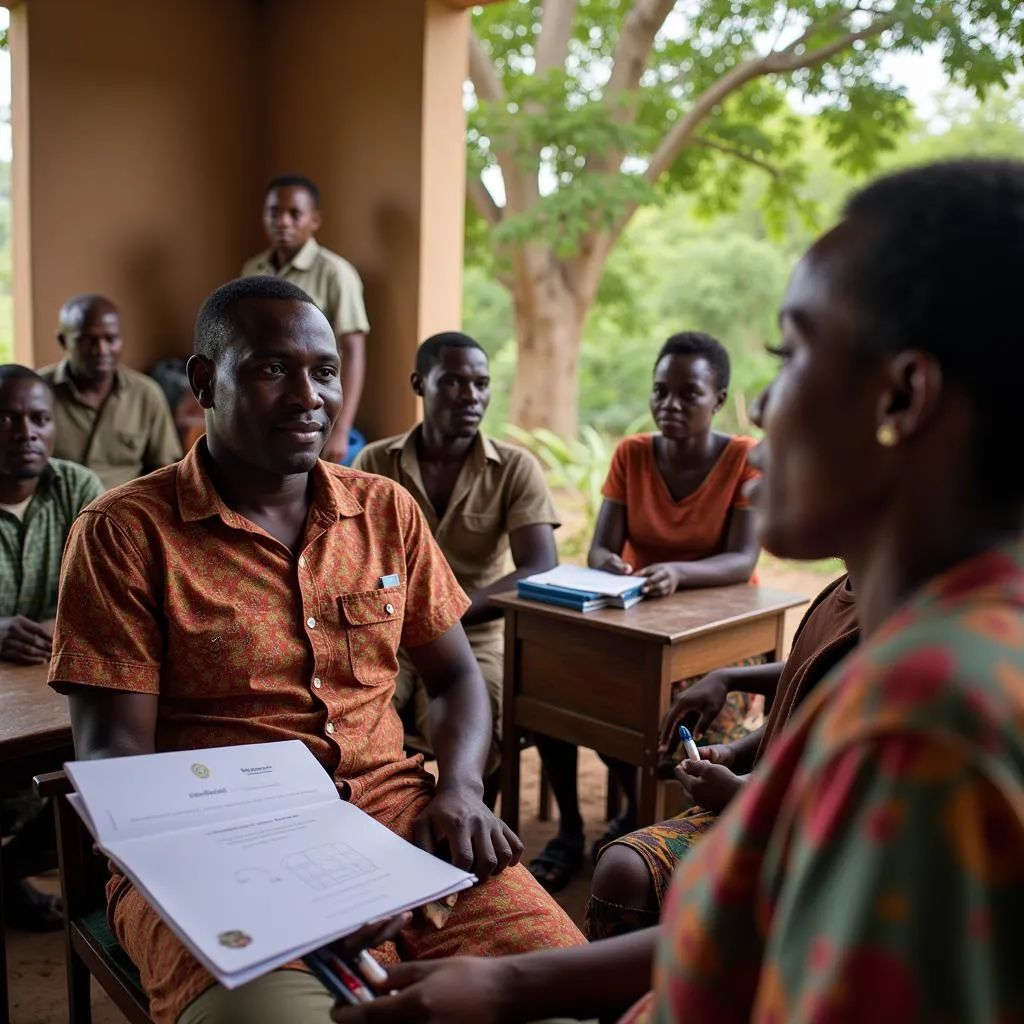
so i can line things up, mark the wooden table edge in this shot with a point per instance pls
(608, 618)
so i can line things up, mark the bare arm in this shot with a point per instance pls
(734, 565)
(706, 697)
(460, 715)
(352, 347)
(110, 723)
(609, 539)
(744, 751)
(533, 551)
(460, 731)
(603, 978)
(584, 980)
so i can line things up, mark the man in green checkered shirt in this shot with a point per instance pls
(39, 499)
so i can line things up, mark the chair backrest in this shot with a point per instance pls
(90, 947)
(80, 869)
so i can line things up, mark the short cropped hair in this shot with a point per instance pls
(14, 371)
(703, 346)
(939, 269)
(217, 323)
(295, 181)
(74, 312)
(429, 353)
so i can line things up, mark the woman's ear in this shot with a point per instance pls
(201, 375)
(720, 401)
(913, 390)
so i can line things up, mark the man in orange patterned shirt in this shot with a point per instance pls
(252, 593)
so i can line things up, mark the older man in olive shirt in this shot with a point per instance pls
(482, 500)
(109, 418)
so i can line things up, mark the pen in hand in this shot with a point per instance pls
(688, 745)
(370, 969)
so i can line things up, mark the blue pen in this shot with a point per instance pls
(688, 745)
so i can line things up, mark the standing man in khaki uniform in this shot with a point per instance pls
(291, 217)
(482, 499)
(109, 418)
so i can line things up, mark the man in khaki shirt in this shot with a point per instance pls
(291, 217)
(109, 418)
(482, 500)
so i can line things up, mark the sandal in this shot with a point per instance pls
(621, 825)
(555, 865)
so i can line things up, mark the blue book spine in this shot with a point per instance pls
(577, 602)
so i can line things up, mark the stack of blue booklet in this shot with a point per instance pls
(585, 590)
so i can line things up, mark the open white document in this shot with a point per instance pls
(248, 852)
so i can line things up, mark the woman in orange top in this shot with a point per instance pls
(674, 512)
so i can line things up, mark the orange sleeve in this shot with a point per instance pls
(616, 483)
(746, 474)
(108, 631)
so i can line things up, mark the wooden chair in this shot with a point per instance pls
(90, 948)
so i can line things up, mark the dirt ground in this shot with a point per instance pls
(36, 962)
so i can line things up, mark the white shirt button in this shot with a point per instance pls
(302, 561)
(330, 727)
(311, 622)
(316, 683)
(390, 609)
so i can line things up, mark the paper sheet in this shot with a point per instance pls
(249, 854)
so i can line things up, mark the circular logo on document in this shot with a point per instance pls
(200, 771)
(234, 939)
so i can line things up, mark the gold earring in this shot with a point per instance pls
(886, 435)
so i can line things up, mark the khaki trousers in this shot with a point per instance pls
(281, 997)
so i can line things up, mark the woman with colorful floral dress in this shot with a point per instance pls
(873, 866)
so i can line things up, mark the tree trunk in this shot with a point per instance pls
(549, 331)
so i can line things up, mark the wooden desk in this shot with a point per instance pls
(604, 679)
(35, 737)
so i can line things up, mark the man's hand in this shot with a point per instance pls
(705, 698)
(337, 445)
(663, 578)
(476, 839)
(456, 990)
(372, 935)
(25, 642)
(710, 782)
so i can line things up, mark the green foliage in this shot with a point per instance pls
(672, 278)
(563, 127)
(592, 202)
(677, 269)
(578, 464)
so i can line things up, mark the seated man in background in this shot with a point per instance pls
(109, 418)
(39, 499)
(291, 218)
(482, 500)
(254, 592)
